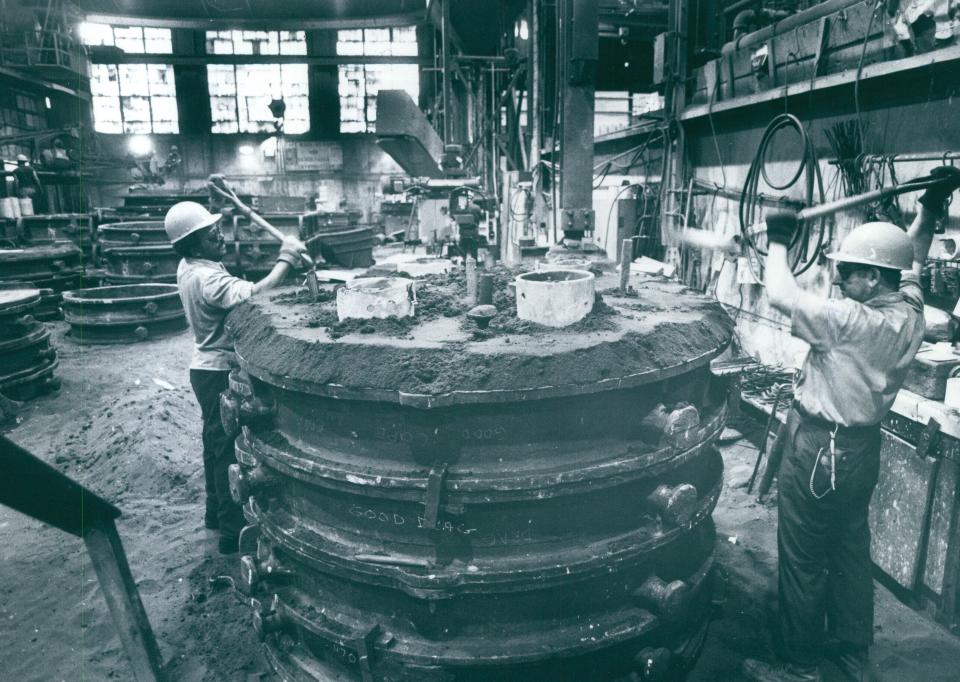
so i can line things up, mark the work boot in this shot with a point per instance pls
(853, 662)
(760, 671)
(228, 544)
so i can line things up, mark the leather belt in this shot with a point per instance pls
(827, 425)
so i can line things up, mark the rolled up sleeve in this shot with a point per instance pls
(820, 322)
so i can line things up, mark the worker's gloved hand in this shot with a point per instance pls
(949, 182)
(291, 250)
(781, 226)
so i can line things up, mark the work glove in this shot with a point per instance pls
(949, 182)
(291, 250)
(781, 227)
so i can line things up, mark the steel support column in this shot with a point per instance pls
(580, 31)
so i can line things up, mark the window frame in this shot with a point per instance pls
(143, 31)
(370, 47)
(241, 100)
(97, 95)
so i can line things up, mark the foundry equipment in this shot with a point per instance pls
(137, 252)
(52, 268)
(27, 359)
(502, 508)
(124, 314)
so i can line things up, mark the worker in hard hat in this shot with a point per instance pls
(26, 182)
(208, 293)
(861, 347)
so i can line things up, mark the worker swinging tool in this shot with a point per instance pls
(208, 293)
(735, 245)
(220, 190)
(861, 347)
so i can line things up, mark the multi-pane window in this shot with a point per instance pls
(132, 39)
(240, 97)
(256, 42)
(359, 83)
(378, 42)
(134, 98)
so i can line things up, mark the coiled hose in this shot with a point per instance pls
(810, 236)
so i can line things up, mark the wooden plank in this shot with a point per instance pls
(36, 489)
(123, 600)
(898, 508)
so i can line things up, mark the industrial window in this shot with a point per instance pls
(359, 83)
(378, 42)
(256, 42)
(240, 97)
(134, 98)
(132, 39)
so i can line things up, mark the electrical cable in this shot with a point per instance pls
(800, 247)
(856, 81)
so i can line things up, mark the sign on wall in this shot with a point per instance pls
(313, 156)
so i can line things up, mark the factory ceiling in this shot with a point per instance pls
(258, 10)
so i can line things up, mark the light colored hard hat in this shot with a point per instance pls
(187, 217)
(22, 157)
(883, 245)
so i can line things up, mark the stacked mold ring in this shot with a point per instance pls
(440, 508)
(27, 360)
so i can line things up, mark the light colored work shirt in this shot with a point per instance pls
(859, 352)
(208, 293)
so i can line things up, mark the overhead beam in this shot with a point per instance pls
(386, 21)
(104, 57)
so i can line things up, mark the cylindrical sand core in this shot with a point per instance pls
(376, 297)
(555, 298)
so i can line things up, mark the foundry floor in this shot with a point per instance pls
(125, 423)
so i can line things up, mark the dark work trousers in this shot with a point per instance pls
(218, 451)
(825, 574)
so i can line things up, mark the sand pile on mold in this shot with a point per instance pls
(453, 367)
(443, 295)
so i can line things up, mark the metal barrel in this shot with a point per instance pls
(510, 528)
(27, 358)
(124, 314)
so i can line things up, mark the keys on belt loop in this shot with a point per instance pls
(833, 457)
(833, 465)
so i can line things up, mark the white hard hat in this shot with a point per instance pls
(187, 217)
(22, 157)
(883, 245)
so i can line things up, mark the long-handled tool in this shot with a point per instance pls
(702, 239)
(766, 437)
(218, 187)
